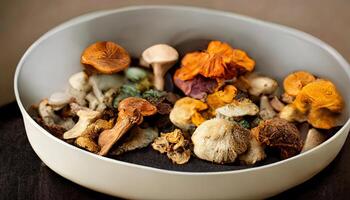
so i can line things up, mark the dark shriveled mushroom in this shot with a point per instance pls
(280, 134)
(131, 112)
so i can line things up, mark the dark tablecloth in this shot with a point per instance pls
(24, 176)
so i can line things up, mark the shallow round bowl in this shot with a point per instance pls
(278, 50)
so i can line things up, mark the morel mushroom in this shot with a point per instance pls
(106, 57)
(131, 112)
(86, 117)
(220, 141)
(322, 101)
(280, 134)
(185, 113)
(161, 57)
(294, 82)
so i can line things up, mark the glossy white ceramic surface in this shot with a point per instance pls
(278, 50)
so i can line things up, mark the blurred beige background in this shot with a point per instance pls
(23, 21)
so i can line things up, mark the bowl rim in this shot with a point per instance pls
(101, 13)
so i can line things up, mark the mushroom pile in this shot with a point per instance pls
(221, 111)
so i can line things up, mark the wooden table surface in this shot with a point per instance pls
(24, 176)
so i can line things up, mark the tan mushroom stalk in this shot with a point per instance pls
(185, 113)
(313, 139)
(266, 110)
(276, 104)
(237, 109)
(161, 57)
(220, 141)
(86, 117)
(131, 112)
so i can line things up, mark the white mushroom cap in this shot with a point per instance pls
(162, 57)
(86, 117)
(59, 99)
(261, 85)
(160, 53)
(238, 109)
(220, 141)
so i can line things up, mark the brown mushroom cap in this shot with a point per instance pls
(281, 134)
(106, 57)
(141, 105)
(294, 82)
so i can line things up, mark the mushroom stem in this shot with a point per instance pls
(158, 76)
(109, 137)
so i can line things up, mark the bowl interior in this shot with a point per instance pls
(277, 50)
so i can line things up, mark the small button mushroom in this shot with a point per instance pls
(294, 82)
(78, 87)
(254, 154)
(106, 57)
(322, 101)
(292, 114)
(261, 85)
(51, 120)
(185, 113)
(276, 104)
(86, 117)
(237, 109)
(175, 145)
(131, 112)
(220, 141)
(266, 110)
(313, 139)
(280, 134)
(161, 57)
(137, 139)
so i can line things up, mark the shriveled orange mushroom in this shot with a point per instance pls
(219, 61)
(221, 98)
(106, 57)
(294, 82)
(321, 101)
(131, 112)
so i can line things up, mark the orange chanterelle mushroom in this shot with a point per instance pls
(106, 57)
(294, 82)
(219, 61)
(321, 101)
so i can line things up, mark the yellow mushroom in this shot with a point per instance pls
(294, 82)
(221, 98)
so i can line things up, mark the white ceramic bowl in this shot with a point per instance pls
(278, 50)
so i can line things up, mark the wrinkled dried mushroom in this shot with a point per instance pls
(280, 134)
(175, 145)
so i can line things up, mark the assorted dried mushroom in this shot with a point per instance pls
(221, 112)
